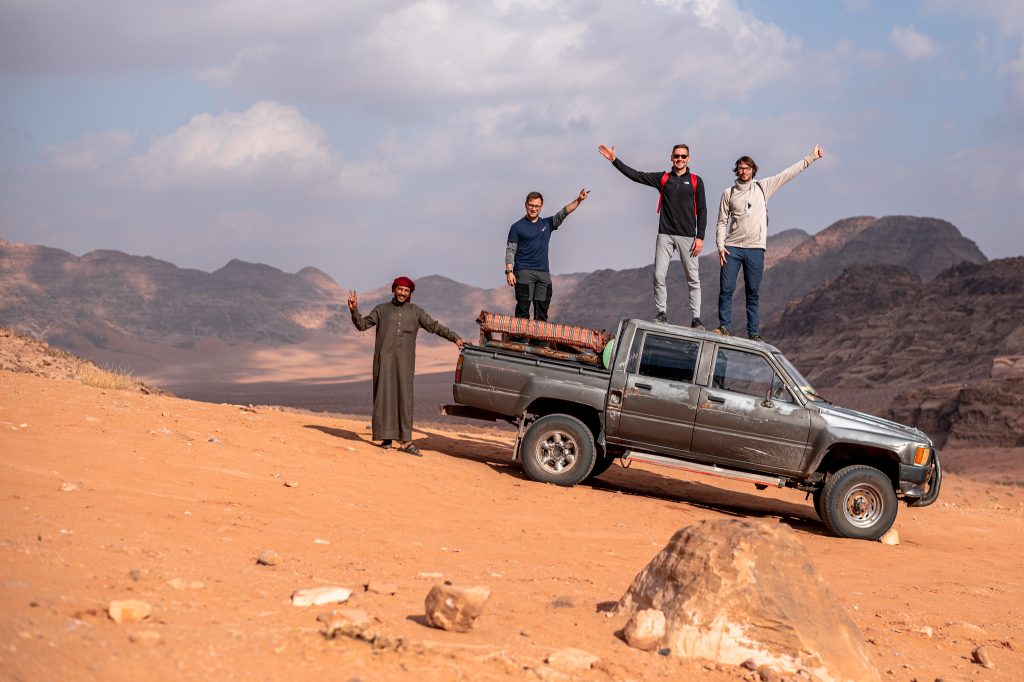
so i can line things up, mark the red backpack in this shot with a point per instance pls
(696, 181)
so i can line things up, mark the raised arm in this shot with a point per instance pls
(361, 323)
(774, 183)
(575, 203)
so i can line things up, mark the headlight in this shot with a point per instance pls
(922, 456)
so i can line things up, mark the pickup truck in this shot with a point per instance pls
(705, 403)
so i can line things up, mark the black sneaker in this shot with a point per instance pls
(755, 337)
(696, 323)
(721, 330)
(661, 318)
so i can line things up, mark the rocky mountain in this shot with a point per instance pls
(954, 346)
(49, 293)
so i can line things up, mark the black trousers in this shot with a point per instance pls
(533, 286)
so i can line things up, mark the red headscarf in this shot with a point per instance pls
(403, 282)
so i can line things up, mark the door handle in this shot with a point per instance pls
(646, 387)
(716, 399)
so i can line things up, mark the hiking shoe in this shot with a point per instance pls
(386, 444)
(661, 317)
(696, 324)
(755, 337)
(721, 330)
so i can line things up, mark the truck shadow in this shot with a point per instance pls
(495, 452)
(725, 501)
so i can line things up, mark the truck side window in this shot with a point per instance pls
(743, 373)
(667, 358)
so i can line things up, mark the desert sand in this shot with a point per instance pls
(111, 495)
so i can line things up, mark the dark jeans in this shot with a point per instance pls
(535, 286)
(752, 262)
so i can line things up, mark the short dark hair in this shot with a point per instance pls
(681, 146)
(747, 160)
(534, 195)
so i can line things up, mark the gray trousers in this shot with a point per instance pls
(662, 257)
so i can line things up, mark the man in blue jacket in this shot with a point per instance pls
(526, 255)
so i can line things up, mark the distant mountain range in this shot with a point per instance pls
(900, 302)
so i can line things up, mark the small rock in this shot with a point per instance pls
(431, 574)
(69, 486)
(135, 574)
(571, 659)
(354, 623)
(179, 584)
(145, 637)
(384, 642)
(749, 664)
(213, 439)
(768, 674)
(318, 596)
(982, 657)
(268, 557)
(378, 587)
(891, 537)
(128, 611)
(645, 629)
(563, 603)
(450, 607)
(291, 484)
(926, 631)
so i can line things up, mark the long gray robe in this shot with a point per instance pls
(394, 363)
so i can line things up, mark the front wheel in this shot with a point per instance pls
(858, 502)
(558, 449)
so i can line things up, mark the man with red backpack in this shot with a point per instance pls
(683, 219)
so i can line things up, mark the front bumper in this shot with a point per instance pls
(920, 485)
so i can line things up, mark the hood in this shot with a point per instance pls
(841, 416)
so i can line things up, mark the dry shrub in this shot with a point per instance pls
(115, 379)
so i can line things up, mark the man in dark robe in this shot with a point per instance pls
(394, 360)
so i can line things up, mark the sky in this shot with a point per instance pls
(383, 137)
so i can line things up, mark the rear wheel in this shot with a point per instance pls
(858, 502)
(558, 449)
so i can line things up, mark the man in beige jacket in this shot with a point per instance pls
(742, 236)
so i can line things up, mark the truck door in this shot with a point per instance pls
(748, 415)
(659, 400)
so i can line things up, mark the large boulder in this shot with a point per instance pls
(738, 590)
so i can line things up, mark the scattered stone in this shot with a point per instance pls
(571, 659)
(354, 623)
(146, 637)
(91, 419)
(378, 587)
(645, 629)
(213, 439)
(128, 611)
(69, 486)
(179, 584)
(926, 631)
(318, 596)
(563, 603)
(749, 664)
(982, 657)
(268, 557)
(135, 574)
(450, 607)
(321, 541)
(767, 674)
(350, 448)
(384, 642)
(291, 484)
(891, 537)
(431, 574)
(737, 589)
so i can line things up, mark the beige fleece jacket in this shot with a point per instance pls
(743, 210)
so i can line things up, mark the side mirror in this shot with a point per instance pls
(767, 402)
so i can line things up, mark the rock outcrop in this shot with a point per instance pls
(734, 591)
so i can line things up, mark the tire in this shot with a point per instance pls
(858, 502)
(816, 498)
(558, 449)
(603, 464)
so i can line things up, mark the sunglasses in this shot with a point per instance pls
(680, 156)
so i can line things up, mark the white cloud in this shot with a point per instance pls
(912, 43)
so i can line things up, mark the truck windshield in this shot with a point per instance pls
(802, 383)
